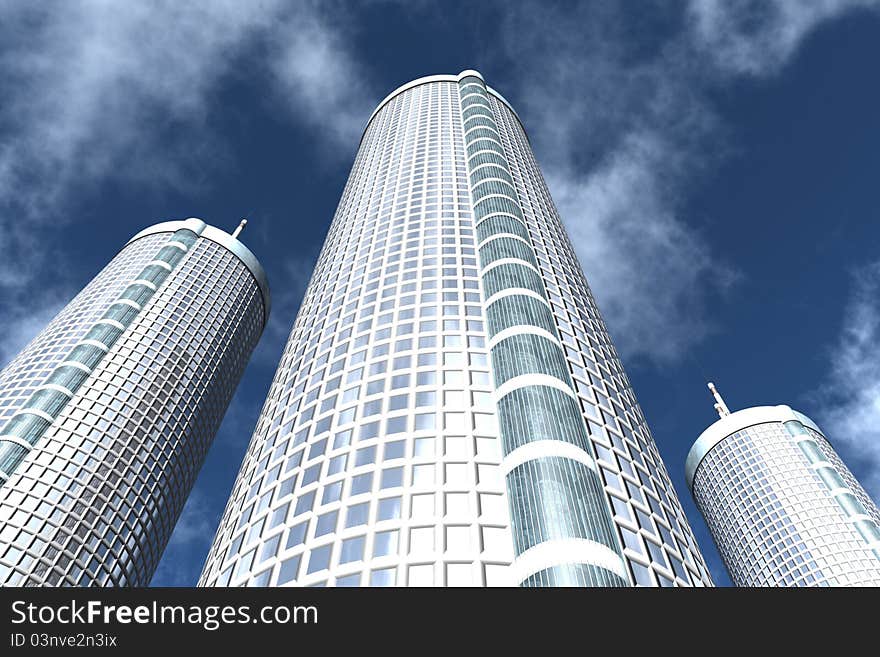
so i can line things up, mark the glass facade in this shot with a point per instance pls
(783, 508)
(108, 413)
(559, 515)
(449, 410)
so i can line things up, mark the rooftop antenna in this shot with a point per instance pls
(240, 228)
(720, 406)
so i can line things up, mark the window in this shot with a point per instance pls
(631, 540)
(362, 483)
(621, 508)
(457, 474)
(278, 515)
(483, 422)
(395, 450)
(454, 421)
(341, 439)
(423, 447)
(357, 514)
(332, 492)
(304, 503)
(389, 508)
(368, 431)
(385, 543)
(423, 475)
(310, 475)
(352, 550)
(425, 421)
(365, 456)
(349, 580)
(384, 577)
(396, 425)
(337, 464)
(270, 548)
(641, 574)
(459, 574)
(421, 575)
(392, 477)
(288, 570)
(319, 559)
(326, 523)
(458, 447)
(297, 534)
(482, 399)
(457, 504)
(421, 540)
(493, 506)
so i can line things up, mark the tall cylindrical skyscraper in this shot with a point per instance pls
(449, 409)
(107, 415)
(782, 507)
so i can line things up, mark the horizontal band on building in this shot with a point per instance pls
(202, 230)
(564, 551)
(543, 448)
(519, 329)
(428, 80)
(525, 380)
(738, 421)
(17, 441)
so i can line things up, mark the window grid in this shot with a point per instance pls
(95, 501)
(375, 461)
(404, 231)
(775, 523)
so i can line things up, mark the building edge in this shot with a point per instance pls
(428, 79)
(224, 239)
(737, 421)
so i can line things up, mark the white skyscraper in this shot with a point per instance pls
(107, 415)
(449, 408)
(782, 507)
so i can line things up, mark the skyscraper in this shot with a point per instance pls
(448, 385)
(782, 507)
(107, 415)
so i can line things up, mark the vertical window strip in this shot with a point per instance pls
(28, 425)
(549, 498)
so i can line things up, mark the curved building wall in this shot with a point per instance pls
(561, 522)
(110, 410)
(784, 510)
(377, 458)
(659, 545)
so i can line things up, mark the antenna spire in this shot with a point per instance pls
(240, 228)
(720, 406)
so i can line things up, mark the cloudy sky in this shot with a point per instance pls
(715, 162)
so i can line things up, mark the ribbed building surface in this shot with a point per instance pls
(107, 415)
(448, 385)
(782, 507)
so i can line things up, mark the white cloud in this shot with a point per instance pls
(757, 37)
(93, 93)
(651, 272)
(616, 110)
(623, 137)
(849, 401)
(22, 323)
(27, 306)
(286, 299)
(320, 79)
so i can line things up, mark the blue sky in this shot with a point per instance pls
(715, 162)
